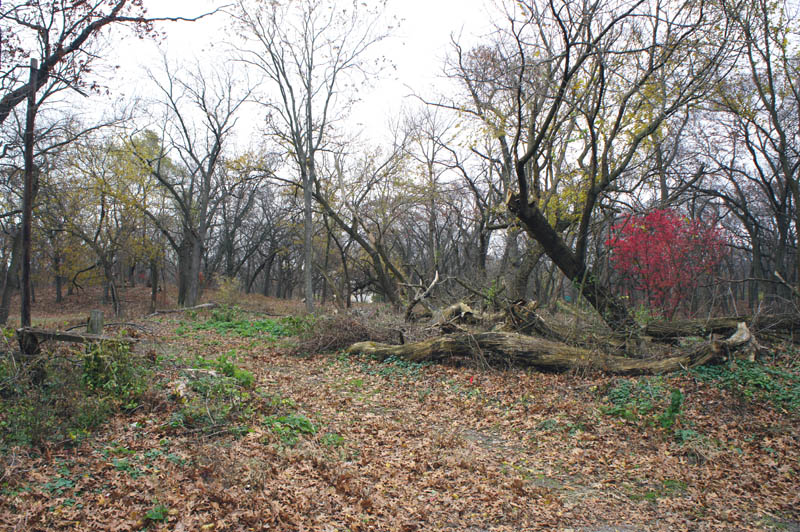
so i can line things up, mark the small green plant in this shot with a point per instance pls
(632, 399)
(229, 321)
(493, 292)
(393, 366)
(684, 436)
(643, 315)
(331, 439)
(158, 512)
(58, 485)
(218, 394)
(225, 364)
(277, 401)
(289, 427)
(668, 417)
(548, 425)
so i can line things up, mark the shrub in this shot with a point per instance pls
(215, 399)
(109, 368)
(228, 290)
(335, 333)
(69, 395)
(665, 255)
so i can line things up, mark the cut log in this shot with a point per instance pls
(512, 349)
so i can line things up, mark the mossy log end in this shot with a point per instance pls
(512, 349)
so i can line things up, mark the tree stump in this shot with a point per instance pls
(95, 324)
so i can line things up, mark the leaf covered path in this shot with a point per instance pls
(342, 443)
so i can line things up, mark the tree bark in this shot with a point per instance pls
(153, 284)
(190, 256)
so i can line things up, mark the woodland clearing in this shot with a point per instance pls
(218, 420)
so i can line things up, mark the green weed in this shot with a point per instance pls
(230, 321)
(394, 366)
(754, 381)
(332, 439)
(668, 417)
(289, 427)
(110, 369)
(225, 365)
(159, 512)
(635, 400)
(548, 425)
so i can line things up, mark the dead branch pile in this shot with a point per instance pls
(334, 333)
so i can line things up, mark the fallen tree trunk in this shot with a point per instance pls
(29, 338)
(512, 349)
(777, 323)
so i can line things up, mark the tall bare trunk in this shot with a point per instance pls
(11, 281)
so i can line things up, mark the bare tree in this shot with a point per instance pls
(576, 103)
(200, 113)
(62, 35)
(312, 55)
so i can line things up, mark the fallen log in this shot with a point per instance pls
(775, 323)
(512, 349)
(30, 338)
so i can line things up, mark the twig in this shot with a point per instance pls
(204, 306)
(794, 289)
(115, 324)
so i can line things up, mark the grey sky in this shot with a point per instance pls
(417, 49)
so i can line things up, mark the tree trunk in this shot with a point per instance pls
(781, 324)
(190, 255)
(153, 284)
(59, 279)
(512, 349)
(610, 308)
(11, 281)
(28, 194)
(519, 287)
(183, 273)
(194, 288)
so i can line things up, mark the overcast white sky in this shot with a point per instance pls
(417, 48)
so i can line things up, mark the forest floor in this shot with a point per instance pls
(216, 422)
